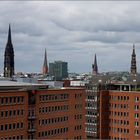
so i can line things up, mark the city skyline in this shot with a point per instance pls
(71, 31)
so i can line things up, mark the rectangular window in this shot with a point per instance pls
(1, 127)
(14, 112)
(22, 99)
(18, 112)
(6, 100)
(136, 107)
(18, 99)
(10, 113)
(2, 100)
(14, 126)
(10, 100)
(6, 113)
(136, 115)
(136, 132)
(136, 99)
(14, 99)
(2, 114)
(10, 126)
(136, 124)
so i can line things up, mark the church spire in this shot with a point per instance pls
(133, 62)
(9, 41)
(9, 57)
(95, 67)
(45, 65)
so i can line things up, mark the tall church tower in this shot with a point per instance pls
(95, 67)
(133, 62)
(45, 65)
(9, 57)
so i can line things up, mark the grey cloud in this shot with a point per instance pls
(71, 31)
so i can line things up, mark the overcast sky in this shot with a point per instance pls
(72, 32)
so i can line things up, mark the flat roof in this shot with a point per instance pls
(13, 85)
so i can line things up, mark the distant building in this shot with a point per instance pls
(133, 62)
(95, 66)
(58, 69)
(9, 57)
(32, 111)
(45, 65)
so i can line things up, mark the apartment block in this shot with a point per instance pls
(120, 112)
(32, 111)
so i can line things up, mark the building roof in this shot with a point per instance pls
(12, 85)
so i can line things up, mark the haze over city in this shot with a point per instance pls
(72, 32)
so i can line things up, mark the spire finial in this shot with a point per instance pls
(9, 35)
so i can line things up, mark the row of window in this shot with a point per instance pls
(78, 95)
(118, 138)
(91, 97)
(120, 114)
(11, 100)
(53, 132)
(11, 126)
(120, 122)
(119, 106)
(91, 129)
(78, 116)
(119, 130)
(46, 98)
(94, 88)
(53, 109)
(77, 137)
(91, 113)
(125, 131)
(92, 121)
(12, 138)
(119, 98)
(91, 105)
(53, 120)
(78, 106)
(78, 127)
(11, 113)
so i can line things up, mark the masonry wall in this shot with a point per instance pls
(64, 114)
(42, 114)
(13, 115)
(124, 115)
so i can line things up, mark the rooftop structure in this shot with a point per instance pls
(9, 57)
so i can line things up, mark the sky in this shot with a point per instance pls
(71, 31)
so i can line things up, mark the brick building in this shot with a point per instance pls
(119, 112)
(32, 111)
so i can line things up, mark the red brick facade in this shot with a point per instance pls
(43, 114)
(120, 115)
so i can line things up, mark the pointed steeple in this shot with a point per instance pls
(133, 50)
(94, 66)
(9, 41)
(133, 62)
(9, 57)
(45, 65)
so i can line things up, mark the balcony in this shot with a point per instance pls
(31, 117)
(31, 130)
